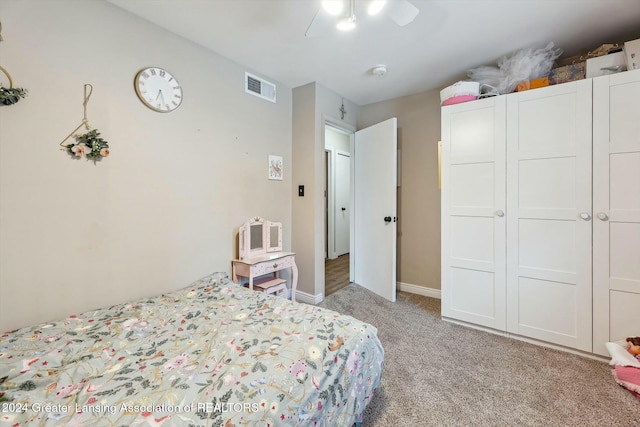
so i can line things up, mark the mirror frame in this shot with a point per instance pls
(268, 244)
(271, 245)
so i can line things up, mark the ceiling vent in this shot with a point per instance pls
(259, 87)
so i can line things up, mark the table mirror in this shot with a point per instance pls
(257, 237)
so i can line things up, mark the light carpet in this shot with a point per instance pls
(440, 374)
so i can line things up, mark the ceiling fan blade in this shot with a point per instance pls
(320, 23)
(402, 12)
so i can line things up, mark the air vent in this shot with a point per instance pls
(260, 87)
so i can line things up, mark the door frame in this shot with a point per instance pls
(330, 202)
(330, 229)
(334, 122)
(336, 153)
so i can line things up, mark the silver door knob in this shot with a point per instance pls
(585, 216)
(603, 216)
(500, 213)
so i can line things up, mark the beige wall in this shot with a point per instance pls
(313, 104)
(164, 208)
(419, 196)
(303, 152)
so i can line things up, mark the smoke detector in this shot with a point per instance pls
(379, 70)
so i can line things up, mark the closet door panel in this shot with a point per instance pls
(549, 214)
(547, 245)
(472, 240)
(536, 137)
(472, 293)
(473, 191)
(558, 299)
(472, 135)
(624, 304)
(616, 228)
(547, 184)
(472, 186)
(624, 255)
(624, 100)
(624, 178)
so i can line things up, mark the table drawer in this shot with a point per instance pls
(272, 265)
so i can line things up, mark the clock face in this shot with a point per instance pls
(158, 89)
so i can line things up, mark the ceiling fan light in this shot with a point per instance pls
(347, 24)
(375, 7)
(333, 7)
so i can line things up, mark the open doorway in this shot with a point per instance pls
(337, 207)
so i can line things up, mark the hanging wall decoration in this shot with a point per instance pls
(275, 167)
(88, 144)
(10, 95)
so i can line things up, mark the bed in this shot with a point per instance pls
(211, 354)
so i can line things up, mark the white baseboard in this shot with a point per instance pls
(420, 290)
(309, 298)
(527, 339)
(405, 287)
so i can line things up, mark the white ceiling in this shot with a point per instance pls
(447, 38)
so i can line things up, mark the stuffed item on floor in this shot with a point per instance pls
(628, 377)
(634, 346)
(625, 357)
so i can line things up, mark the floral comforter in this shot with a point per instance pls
(211, 354)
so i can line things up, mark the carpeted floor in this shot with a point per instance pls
(441, 374)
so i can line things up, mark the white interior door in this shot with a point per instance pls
(616, 207)
(549, 214)
(342, 192)
(473, 212)
(374, 208)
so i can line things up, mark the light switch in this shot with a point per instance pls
(300, 190)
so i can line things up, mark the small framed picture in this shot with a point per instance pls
(275, 167)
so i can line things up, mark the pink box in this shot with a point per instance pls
(462, 91)
(459, 99)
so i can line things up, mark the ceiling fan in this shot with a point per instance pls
(342, 14)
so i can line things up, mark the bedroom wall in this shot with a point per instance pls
(312, 105)
(418, 196)
(164, 208)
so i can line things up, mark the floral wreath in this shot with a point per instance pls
(89, 144)
(10, 95)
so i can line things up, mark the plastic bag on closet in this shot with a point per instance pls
(523, 65)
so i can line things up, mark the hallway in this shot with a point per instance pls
(336, 274)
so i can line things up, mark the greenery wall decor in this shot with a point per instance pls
(89, 144)
(10, 95)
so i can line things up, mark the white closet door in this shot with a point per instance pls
(616, 203)
(473, 204)
(549, 214)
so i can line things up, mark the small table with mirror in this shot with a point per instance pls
(261, 258)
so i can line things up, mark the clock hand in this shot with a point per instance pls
(161, 97)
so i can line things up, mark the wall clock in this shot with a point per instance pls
(158, 89)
